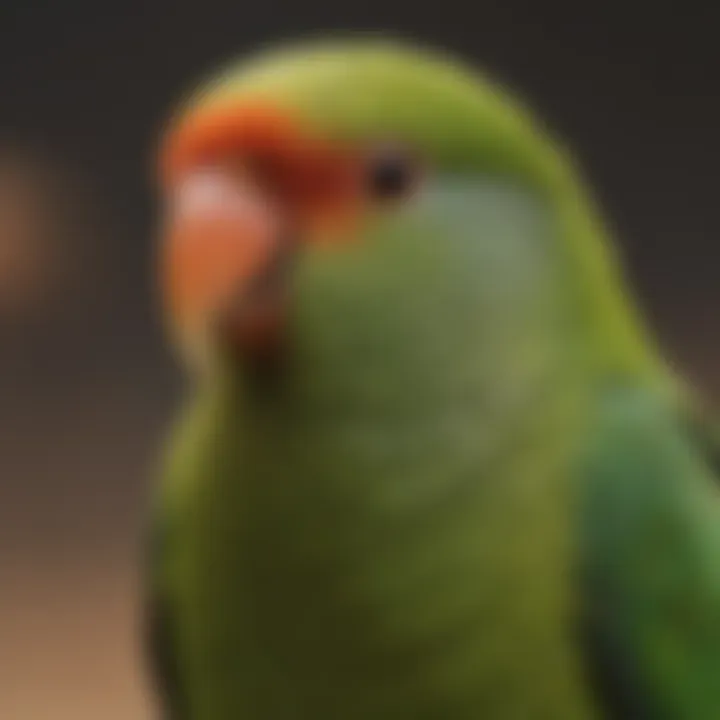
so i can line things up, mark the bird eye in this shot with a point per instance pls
(391, 174)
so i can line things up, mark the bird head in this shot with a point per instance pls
(313, 152)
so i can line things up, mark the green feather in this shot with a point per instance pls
(649, 547)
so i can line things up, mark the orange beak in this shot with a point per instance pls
(222, 238)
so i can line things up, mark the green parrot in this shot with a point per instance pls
(432, 465)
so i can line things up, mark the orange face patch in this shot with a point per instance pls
(244, 184)
(318, 182)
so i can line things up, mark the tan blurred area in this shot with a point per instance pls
(77, 436)
(68, 648)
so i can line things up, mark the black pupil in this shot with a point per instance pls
(390, 176)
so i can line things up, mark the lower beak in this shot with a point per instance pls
(221, 242)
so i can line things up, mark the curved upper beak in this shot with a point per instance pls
(221, 238)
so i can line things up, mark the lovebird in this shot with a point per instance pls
(432, 463)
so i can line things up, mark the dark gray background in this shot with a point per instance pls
(86, 385)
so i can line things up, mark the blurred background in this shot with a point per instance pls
(86, 384)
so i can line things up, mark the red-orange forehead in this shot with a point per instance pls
(302, 165)
(216, 134)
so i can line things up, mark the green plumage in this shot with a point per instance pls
(472, 494)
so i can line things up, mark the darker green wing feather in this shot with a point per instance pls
(650, 561)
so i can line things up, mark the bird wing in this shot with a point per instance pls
(650, 560)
